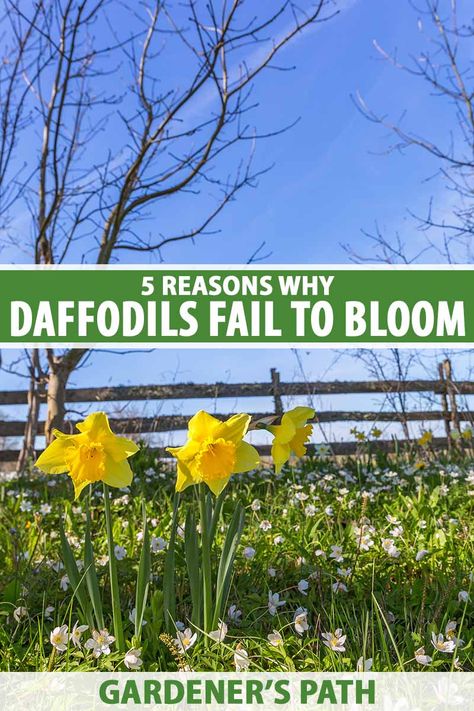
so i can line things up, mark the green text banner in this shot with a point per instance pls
(314, 306)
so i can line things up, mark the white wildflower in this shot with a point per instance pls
(157, 544)
(133, 617)
(364, 665)
(337, 554)
(59, 638)
(442, 645)
(300, 620)
(220, 633)
(334, 641)
(274, 602)
(120, 552)
(77, 631)
(133, 660)
(422, 658)
(185, 640)
(397, 532)
(20, 613)
(241, 659)
(275, 639)
(303, 585)
(344, 572)
(100, 643)
(234, 614)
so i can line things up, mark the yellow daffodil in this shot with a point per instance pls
(96, 454)
(291, 435)
(214, 451)
(426, 438)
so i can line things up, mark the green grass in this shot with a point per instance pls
(390, 608)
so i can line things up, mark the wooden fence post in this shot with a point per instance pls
(451, 389)
(275, 376)
(444, 403)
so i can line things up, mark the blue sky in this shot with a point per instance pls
(332, 178)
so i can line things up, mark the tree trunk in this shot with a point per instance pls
(60, 368)
(27, 451)
(56, 400)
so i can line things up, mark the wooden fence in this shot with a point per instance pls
(445, 389)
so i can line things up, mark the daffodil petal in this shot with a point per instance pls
(96, 425)
(218, 485)
(186, 452)
(79, 487)
(280, 454)
(62, 435)
(120, 448)
(300, 415)
(184, 478)
(246, 458)
(53, 459)
(234, 428)
(117, 474)
(202, 426)
(285, 432)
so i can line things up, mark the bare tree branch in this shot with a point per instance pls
(445, 67)
(125, 107)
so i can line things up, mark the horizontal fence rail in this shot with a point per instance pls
(445, 388)
(188, 391)
(171, 423)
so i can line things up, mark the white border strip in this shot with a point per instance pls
(238, 267)
(372, 691)
(255, 345)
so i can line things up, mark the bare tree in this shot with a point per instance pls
(390, 365)
(111, 111)
(445, 67)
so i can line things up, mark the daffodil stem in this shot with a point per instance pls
(52, 658)
(206, 560)
(114, 587)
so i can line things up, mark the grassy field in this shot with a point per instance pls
(376, 551)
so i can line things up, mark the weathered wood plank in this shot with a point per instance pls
(184, 391)
(169, 423)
